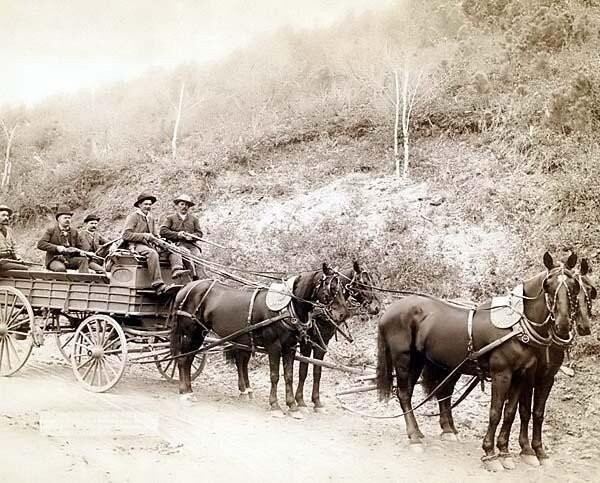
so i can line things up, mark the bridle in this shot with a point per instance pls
(355, 297)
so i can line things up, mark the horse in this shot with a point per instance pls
(359, 295)
(418, 328)
(547, 367)
(540, 383)
(206, 305)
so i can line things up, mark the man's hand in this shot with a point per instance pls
(60, 249)
(71, 251)
(150, 237)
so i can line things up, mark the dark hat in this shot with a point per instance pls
(6, 208)
(185, 198)
(145, 196)
(91, 217)
(63, 210)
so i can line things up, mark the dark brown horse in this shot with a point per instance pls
(418, 329)
(208, 305)
(537, 388)
(547, 367)
(359, 295)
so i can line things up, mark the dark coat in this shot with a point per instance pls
(173, 224)
(53, 237)
(90, 242)
(137, 229)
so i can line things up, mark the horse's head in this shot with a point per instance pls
(329, 293)
(358, 290)
(586, 295)
(561, 289)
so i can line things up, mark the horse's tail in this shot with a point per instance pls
(175, 335)
(384, 366)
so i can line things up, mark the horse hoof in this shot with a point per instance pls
(546, 462)
(417, 448)
(530, 459)
(320, 410)
(493, 464)
(449, 437)
(277, 413)
(303, 409)
(296, 414)
(244, 396)
(507, 462)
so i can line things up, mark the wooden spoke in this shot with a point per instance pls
(92, 342)
(167, 369)
(16, 321)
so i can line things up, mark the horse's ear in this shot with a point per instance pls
(584, 266)
(571, 261)
(548, 262)
(356, 267)
(326, 269)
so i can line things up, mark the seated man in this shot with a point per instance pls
(9, 260)
(140, 232)
(90, 240)
(184, 228)
(60, 242)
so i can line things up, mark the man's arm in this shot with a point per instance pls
(46, 245)
(129, 233)
(197, 229)
(167, 232)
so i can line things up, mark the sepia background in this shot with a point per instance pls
(279, 119)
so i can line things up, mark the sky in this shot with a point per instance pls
(61, 46)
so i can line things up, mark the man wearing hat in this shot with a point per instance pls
(140, 231)
(9, 260)
(61, 244)
(182, 227)
(90, 240)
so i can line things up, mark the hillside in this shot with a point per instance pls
(287, 145)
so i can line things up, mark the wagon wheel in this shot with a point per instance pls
(64, 336)
(168, 369)
(99, 353)
(16, 321)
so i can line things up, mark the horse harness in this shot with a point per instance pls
(288, 315)
(525, 329)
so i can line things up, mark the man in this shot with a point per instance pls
(182, 228)
(140, 231)
(61, 244)
(90, 240)
(9, 260)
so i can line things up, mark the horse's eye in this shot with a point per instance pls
(593, 293)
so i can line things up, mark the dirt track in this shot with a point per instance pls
(51, 429)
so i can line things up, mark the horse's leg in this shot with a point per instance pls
(527, 454)
(540, 396)
(305, 350)
(510, 411)
(404, 374)
(239, 364)
(245, 360)
(319, 354)
(449, 431)
(288, 376)
(274, 352)
(501, 381)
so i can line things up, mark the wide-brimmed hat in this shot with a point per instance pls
(63, 210)
(6, 208)
(91, 217)
(145, 196)
(186, 198)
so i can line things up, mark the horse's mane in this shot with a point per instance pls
(305, 284)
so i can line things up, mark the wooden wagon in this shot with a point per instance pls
(99, 322)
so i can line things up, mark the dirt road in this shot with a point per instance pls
(51, 429)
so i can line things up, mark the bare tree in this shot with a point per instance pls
(410, 89)
(4, 183)
(177, 120)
